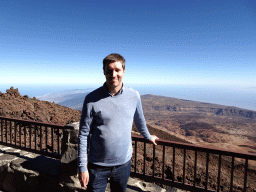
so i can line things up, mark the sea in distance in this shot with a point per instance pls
(238, 96)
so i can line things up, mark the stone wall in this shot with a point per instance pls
(68, 180)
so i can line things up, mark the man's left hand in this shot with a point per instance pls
(153, 139)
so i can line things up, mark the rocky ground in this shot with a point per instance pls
(14, 105)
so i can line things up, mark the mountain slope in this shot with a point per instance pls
(75, 102)
(200, 123)
(61, 96)
(12, 104)
(161, 103)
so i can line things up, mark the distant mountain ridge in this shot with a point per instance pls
(202, 123)
(155, 102)
(74, 99)
(62, 96)
(75, 102)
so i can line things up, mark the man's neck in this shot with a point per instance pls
(114, 90)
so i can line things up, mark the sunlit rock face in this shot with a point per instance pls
(14, 105)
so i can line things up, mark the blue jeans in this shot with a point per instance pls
(99, 175)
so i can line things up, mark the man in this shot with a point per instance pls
(105, 130)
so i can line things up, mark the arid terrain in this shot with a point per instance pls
(14, 105)
(202, 123)
(172, 119)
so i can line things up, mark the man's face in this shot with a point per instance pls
(114, 73)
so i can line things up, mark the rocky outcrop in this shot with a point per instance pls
(14, 105)
(233, 111)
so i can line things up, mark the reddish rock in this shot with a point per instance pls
(14, 105)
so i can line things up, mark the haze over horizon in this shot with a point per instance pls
(165, 43)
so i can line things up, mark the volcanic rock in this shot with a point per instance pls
(14, 105)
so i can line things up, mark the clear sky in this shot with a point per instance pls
(168, 42)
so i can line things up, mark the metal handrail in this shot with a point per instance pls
(33, 136)
(188, 147)
(45, 138)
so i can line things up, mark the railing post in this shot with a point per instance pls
(232, 174)
(184, 166)
(52, 140)
(6, 131)
(15, 132)
(207, 170)
(173, 164)
(20, 132)
(58, 140)
(135, 162)
(245, 174)
(35, 136)
(195, 168)
(46, 139)
(219, 168)
(11, 132)
(2, 130)
(41, 136)
(25, 135)
(30, 141)
(144, 165)
(163, 162)
(154, 156)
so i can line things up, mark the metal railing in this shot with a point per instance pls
(181, 165)
(187, 166)
(37, 137)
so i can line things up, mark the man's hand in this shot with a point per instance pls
(153, 139)
(84, 178)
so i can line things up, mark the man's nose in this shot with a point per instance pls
(114, 73)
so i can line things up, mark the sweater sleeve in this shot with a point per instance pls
(140, 121)
(84, 136)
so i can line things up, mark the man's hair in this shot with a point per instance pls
(113, 57)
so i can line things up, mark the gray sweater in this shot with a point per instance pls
(105, 127)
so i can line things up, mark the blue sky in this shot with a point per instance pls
(165, 42)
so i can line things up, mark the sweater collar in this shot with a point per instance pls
(119, 92)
